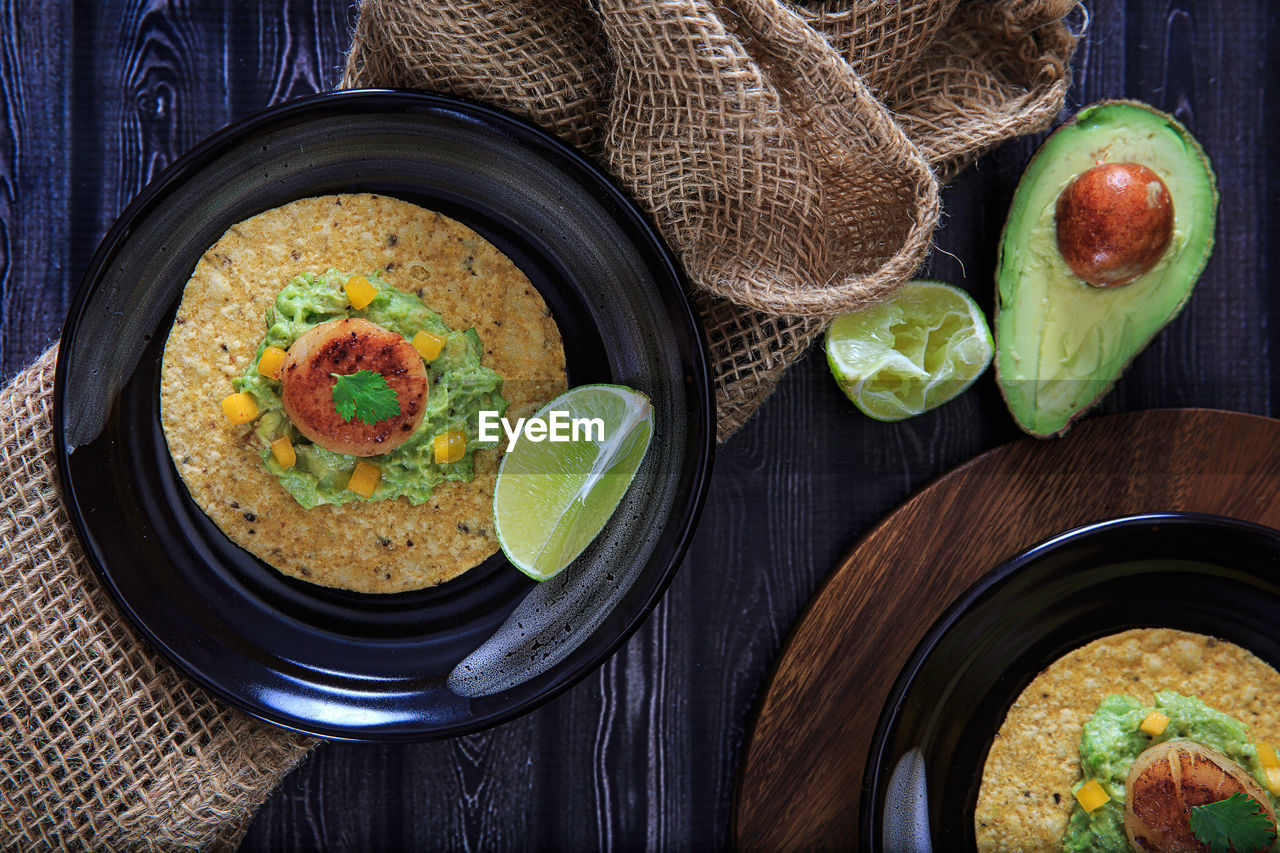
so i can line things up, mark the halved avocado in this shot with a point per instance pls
(1061, 342)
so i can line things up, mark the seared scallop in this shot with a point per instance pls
(345, 347)
(1169, 778)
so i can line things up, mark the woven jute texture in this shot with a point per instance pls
(102, 745)
(790, 154)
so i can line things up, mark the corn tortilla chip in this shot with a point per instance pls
(378, 547)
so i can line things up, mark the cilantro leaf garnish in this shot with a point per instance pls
(366, 395)
(1238, 823)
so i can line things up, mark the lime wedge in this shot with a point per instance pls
(553, 497)
(910, 353)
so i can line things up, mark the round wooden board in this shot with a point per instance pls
(802, 768)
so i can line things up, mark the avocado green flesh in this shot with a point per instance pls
(459, 387)
(1060, 342)
(1111, 741)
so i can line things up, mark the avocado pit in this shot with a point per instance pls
(1114, 223)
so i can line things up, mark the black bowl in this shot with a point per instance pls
(340, 664)
(1198, 573)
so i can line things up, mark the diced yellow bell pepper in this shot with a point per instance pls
(1154, 724)
(364, 479)
(271, 361)
(429, 345)
(282, 450)
(1270, 766)
(1273, 780)
(1091, 796)
(239, 408)
(359, 292)
(449, 446)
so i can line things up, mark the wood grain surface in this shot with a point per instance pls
(804, 761)
(99, 95)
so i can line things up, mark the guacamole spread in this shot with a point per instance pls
(460, 387)
(1111, 741)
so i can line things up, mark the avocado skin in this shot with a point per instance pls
(1046, 395)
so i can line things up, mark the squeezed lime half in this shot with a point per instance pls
(914, 351)
(553, 497)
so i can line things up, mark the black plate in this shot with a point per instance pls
(327, 662)
(1199, 573)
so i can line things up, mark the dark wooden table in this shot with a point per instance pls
(98, 97)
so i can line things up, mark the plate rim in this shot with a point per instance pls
(701, 443)
(874, 775)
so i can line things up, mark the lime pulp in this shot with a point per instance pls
(910, 353)
(552, 498)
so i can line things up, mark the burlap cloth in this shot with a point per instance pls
(102, 745)
(790, 155)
